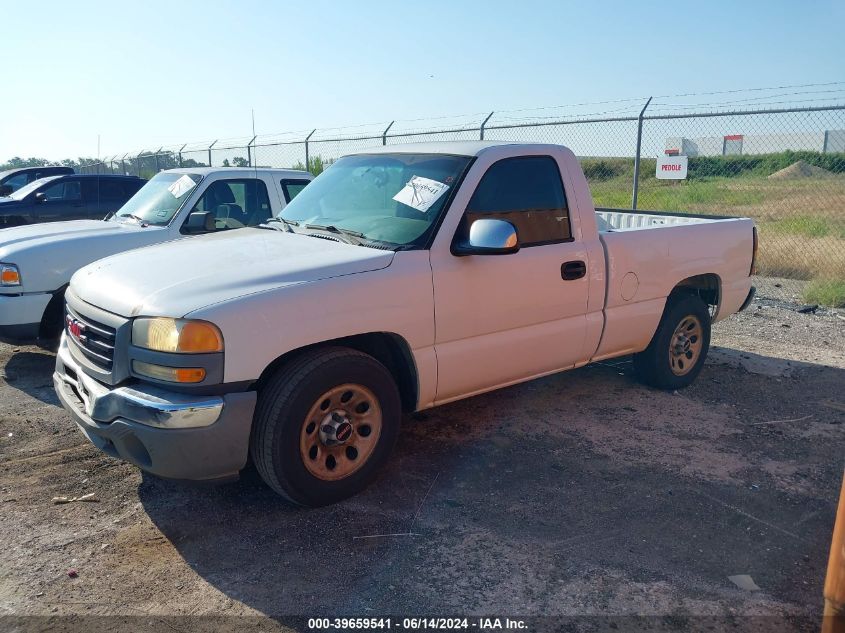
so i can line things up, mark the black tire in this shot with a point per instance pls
(281, 414)
(654, 365)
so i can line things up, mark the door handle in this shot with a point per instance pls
(573, 270)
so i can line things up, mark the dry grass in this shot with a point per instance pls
(801, 221)
(753, 197)
(800, 257)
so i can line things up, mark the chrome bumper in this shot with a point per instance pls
(151, 406)
(167, 434)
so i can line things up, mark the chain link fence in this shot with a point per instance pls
(785, 168)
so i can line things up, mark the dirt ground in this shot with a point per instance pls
(579, 494)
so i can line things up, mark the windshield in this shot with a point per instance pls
(24, 191)
(159, 200)
(391, 198)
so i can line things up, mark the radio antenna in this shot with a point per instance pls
(253, 154)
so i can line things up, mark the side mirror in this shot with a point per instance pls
(5, 190)
(199, 222)
(40, 197)
(489, 237)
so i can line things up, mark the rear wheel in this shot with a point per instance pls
(324, 425)
(677, 352)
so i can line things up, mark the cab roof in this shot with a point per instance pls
(240, 172)
(454, 148)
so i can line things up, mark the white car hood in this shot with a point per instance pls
(28, 235)
(49, 253)
(175, 279)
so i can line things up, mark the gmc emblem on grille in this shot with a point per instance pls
(75, 329)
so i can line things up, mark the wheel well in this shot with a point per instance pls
(391, 350)
(53, 320)
(707, 287)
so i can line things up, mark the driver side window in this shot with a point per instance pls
(527, 191)
(236, 203)
(65, 190)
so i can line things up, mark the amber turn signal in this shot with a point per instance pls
(9, 275)
(170, 374)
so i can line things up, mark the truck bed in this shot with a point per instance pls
(644, 265)
(626, 219)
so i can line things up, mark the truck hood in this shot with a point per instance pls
(49, 253)
(177, 278)
(29, 235)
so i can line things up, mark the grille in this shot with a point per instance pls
(94, 340)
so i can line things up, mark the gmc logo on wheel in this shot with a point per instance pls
(75, 328)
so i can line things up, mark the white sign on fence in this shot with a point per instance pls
(671, 167)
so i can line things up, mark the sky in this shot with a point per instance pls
(141, 75)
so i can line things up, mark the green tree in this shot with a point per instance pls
(316, 165)
(16, 162)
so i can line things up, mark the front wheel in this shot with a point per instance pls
(676, 354)
(324, 425)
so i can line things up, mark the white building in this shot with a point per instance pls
(826, 142)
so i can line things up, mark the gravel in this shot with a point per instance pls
(577, 494)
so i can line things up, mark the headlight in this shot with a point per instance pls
(9, 275)
(185, 336)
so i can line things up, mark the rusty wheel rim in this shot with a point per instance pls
(340, 432)
(685, 345)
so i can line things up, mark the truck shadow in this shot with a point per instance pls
(32, 373)
(520, 502)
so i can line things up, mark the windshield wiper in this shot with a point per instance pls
(138, 218)
(287, 223)
(351, 237)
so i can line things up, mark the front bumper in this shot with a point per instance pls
(171, 435)
(20, 316)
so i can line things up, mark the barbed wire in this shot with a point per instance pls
(634, 106)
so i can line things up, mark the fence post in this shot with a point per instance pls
(123, 164)
(138, 160)
(483, 123)
(180, 153)
(384, 134)
(158, 168)
(637, 156)
(249, 151)
(209, 153)
(307, 156)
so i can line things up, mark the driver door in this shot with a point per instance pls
(64, 200)
(501, 319)
(235, 203)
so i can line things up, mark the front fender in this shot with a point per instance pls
(259, 328)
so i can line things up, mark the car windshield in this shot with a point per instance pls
(24, 191)
(395, 199)
(159, 200)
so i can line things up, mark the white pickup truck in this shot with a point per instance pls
(38, 260)
(404, 277)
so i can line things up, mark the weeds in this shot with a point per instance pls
(829, 292)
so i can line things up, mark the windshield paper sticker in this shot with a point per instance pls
(420, 193)
(181, 186)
